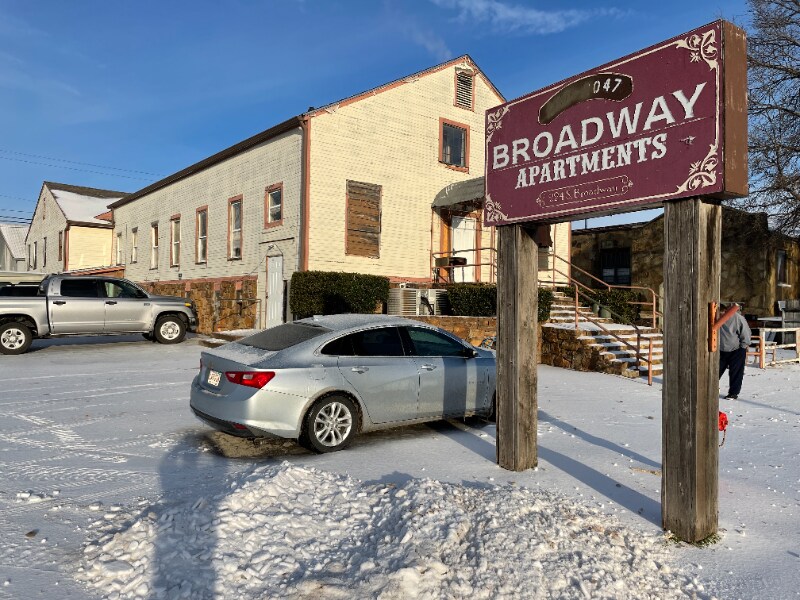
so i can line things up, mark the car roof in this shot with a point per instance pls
(348, 321)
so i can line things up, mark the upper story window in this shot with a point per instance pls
(60, 246)
(154, 246)
(454, 145)
(781, 268)
(32, 256)
(201, 227)
(134, 244)
(235, 228)
(119, 249)
(273, 206)
(363, 236)
(44, 253)
(175, 241)
(465, 89)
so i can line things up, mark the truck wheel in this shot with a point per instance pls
(170, 330)
(15, 338)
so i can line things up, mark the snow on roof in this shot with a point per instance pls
(14, 236)
(82, 207)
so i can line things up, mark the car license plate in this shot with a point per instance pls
(213, 377)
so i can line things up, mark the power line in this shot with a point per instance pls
(77, 162)
(26, 212)
(33, 162)
(16, 198)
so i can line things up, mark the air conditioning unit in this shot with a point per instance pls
(410, 302)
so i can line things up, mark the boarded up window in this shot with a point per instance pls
(363, 219)
(464, 89)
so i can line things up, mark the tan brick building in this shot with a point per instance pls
(71, 229)
(345, 187)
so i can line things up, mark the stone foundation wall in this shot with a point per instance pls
(562, 348)
(222, 305)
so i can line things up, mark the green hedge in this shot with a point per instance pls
(331, 293)
(480, 300)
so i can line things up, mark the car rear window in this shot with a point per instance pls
(19, 290)
(283, 336)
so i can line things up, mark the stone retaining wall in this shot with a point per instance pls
(222, 305)
(562, 347)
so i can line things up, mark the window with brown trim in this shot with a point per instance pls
(175, 241)
(201, 233)
(235, 228)
(154, 246)
(465, 89)
(273, 205)
(454, 145)
(134, 244)
(363, 219)
(119, 249)
(60, 246)
(44, 253)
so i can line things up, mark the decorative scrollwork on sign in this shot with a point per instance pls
(493, 212)
(702, 173)
(494, 121)
(701, 47)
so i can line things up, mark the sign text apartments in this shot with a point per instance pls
(633, 133)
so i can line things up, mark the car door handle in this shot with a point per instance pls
(59, 302)
(427, 367)
(111, 301)
(359, 369)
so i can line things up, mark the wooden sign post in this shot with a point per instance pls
(664, 126)
(517, 316)
(690, 394)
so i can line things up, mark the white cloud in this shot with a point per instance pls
(432, 43)
(512, 18)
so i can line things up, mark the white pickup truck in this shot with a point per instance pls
(69, 305)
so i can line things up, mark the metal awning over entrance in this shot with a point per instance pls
(460, 192)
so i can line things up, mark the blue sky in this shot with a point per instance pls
(118, 94)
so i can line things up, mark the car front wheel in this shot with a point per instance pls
(15, 338)
(330, 424)
(170, 330)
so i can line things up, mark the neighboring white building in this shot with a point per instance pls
(71, 229)
(12, 247)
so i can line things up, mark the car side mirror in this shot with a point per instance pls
(469, 353)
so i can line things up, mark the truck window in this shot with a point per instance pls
(121, 289)
(79, 288)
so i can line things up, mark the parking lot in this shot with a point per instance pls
(96, 438)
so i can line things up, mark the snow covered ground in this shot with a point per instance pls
(110, 488)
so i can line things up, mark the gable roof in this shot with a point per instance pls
(14, 236)
(465, 61)
(81, 204)
(292, 123)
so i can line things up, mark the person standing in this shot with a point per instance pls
(734, 338)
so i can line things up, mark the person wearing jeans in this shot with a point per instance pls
(734, 338)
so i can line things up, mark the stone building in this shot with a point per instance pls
(759, 266)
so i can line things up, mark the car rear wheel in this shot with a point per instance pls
(170, 330)
(330, 424)
(15, 338)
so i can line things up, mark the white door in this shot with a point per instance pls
(274, 291)
(464, 245)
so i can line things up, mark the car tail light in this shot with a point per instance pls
(255, 379)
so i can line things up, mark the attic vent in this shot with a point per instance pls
(464, 89)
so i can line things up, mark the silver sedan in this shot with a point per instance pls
(322, 380)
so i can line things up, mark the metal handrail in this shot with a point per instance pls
(637, 350)
(655, 297)
(449, 253)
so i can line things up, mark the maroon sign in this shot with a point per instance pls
(630, 134)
